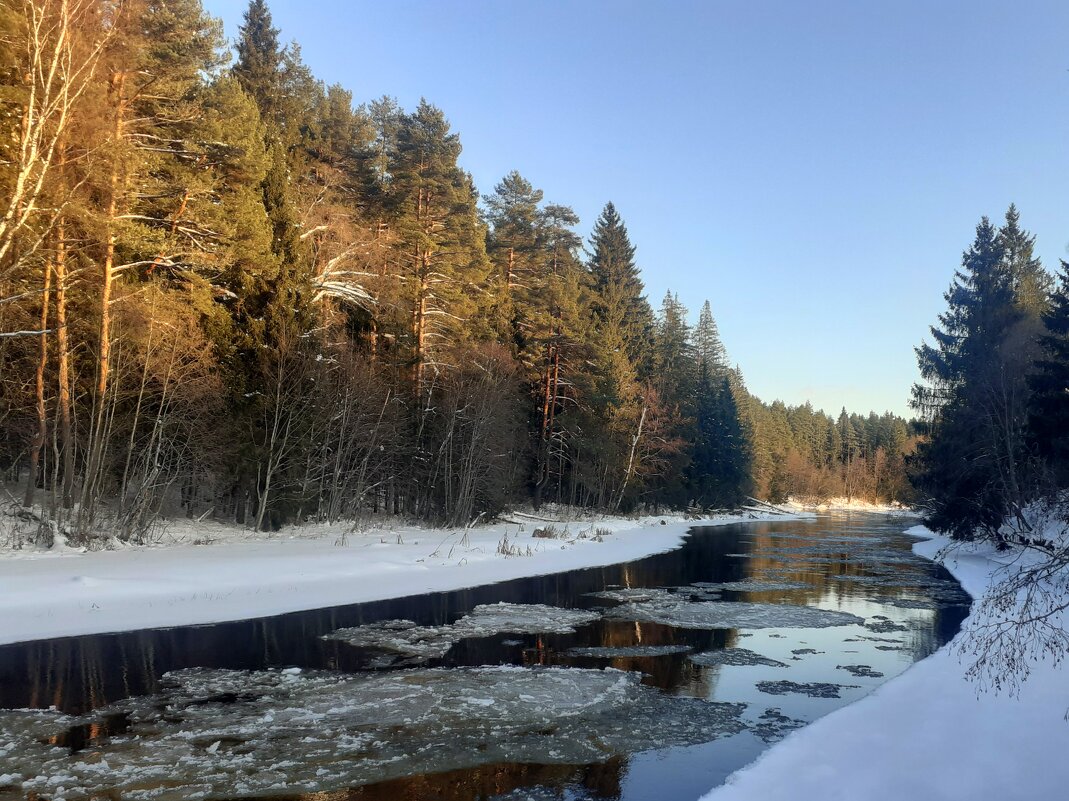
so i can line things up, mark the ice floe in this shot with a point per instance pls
(213, 733)
(627, 651)
(673, 611)
(773, 725)
(423, 643)
(860, 671)
(739, 657)
(815, 689)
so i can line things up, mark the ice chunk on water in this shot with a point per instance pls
(816, 689)
(773, 725)
(626, 594)
(733, 656)
(673, 611)
(627, 651)
(401, 636)
(204, 735)
(755, 585)
(422, 643)
(860, 671)
(881, 625)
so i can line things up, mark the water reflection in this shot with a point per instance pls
(602, 780)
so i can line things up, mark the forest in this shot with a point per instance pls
(229, 290)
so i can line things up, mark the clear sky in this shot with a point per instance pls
(814, 169)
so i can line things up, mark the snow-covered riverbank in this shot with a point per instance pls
(62, 592)
(928, 734)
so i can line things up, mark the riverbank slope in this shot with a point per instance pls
(929, 734)
(209, 573)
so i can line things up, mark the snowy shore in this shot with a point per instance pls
(63, 592)
(928, 734)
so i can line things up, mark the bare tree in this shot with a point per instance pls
(1020, 621)
(57, 66)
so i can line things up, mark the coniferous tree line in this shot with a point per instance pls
(227, 290)
(995, 394)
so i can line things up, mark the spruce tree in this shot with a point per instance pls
(674, 354)
(970, 465)
(260, 61)
(1049, 404)
(620, 303)
(719, 471)
(707, 341)
(1030, 283)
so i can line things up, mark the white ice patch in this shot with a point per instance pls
(433, 642)
(673, 611)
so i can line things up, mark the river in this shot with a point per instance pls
(651, 679)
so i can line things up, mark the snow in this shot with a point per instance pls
(210, 573)
(928, 733)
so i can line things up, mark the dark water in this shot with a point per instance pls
(859, 564)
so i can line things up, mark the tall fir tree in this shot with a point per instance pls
(260, 61)
(707, 342)
(620, 303)
(970, 466)
(1049, 404)
(1030, 283)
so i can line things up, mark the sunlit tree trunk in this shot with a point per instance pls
(41, 434)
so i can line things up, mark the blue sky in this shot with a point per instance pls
(813, 169)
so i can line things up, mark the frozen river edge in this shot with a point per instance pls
(65, 592)
(927, 734)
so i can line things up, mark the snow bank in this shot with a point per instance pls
(63, 592)
(927, 734)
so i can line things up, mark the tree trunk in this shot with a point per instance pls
(94, 463)
(631, 457)
(63, 364)
(419, 326)
(42, 413)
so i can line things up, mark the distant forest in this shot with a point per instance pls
(227, 290)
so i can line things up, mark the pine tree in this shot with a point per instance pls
(561, 332)
(512, 245)
(441, 241)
